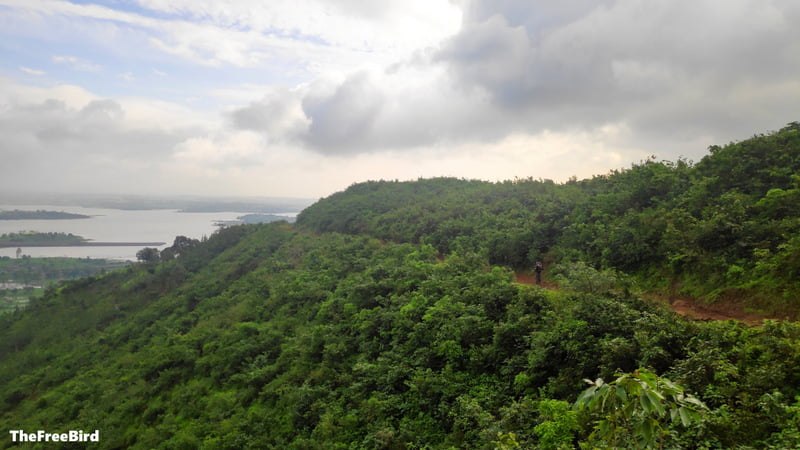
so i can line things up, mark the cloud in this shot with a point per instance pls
(342, 116)
(279, 115)
(659, 68)
(32, 71)
(67, 135)
(372, 112)
(356, 25)
(328, 116)
(67, 139)
(588, 63)
(96, 128)
(324, 92)
(220, 152)
(495, 56)
(312, 35)
(77, 63)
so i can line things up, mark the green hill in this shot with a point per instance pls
(725, 227)
(388, 317)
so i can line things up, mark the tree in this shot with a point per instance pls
(638, 410)
(148, 255)
(179, 246)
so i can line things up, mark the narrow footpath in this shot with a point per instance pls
(688, 307)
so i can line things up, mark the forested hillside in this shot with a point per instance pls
(725, 227)
(388, 317)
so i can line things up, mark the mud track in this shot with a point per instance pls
(688, 307)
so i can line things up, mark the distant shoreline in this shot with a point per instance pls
(80, 244)
(40, 215)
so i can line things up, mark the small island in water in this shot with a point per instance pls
(37, 239)
(40, 215)
(249, 219)
(31, 238)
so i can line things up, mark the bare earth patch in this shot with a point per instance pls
(695, 310)
(685, 306)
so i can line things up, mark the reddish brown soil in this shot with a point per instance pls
(530, 279)
(692, 309)
(688, 307)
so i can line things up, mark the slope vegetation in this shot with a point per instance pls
(389, 317)
(727, 227)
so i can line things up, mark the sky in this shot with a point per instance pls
(302, 98)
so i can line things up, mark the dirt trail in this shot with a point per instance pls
(685, 306)
(723, 310)
(530, 280)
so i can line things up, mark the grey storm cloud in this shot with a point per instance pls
(259, 116)
(277, 115)
(684, 69)
(45, 138)
(328, 118)
(592, 62)
(342, 120)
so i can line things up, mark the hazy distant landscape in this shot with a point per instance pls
(101, 237)
(129, 219)
(39, 215)
(397, 225)
(409, 314)
(272, 205)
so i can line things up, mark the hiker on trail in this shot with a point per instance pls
(538, 269)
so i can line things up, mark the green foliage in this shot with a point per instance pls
(739, 371)
(182, 244)
(33, 237)
(638, 410)
(389, 317)
(267, 337)
(582, 278)
(724, 228)
(30, 277)
(559, 427)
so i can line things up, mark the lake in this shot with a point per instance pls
(114, 225)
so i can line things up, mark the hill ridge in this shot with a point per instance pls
(389, 319)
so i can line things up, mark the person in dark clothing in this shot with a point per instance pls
(538, 269)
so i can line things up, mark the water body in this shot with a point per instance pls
(11, 286)
(114, 225)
